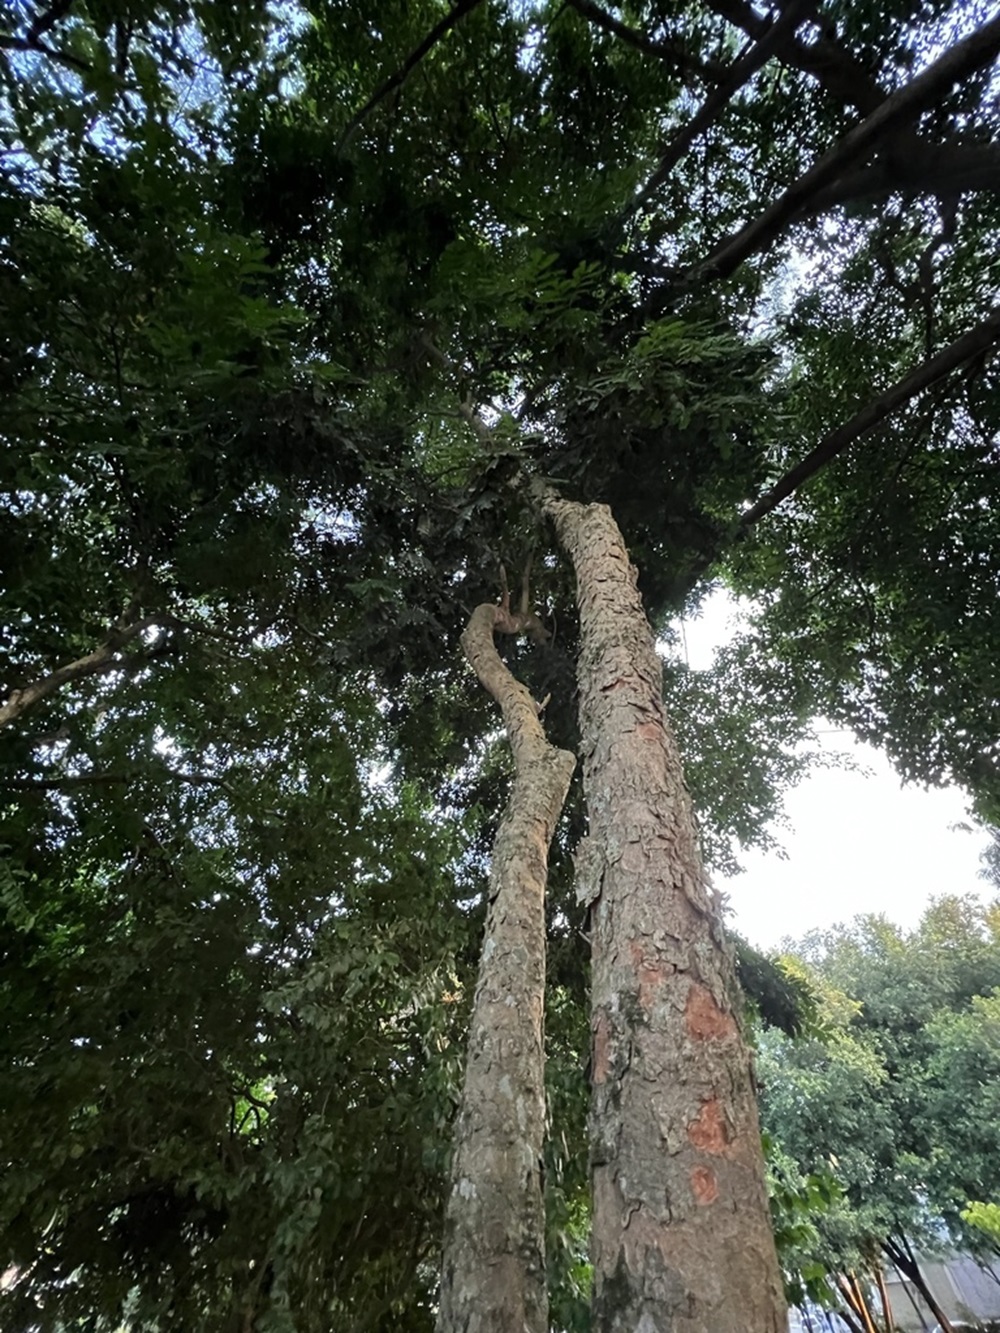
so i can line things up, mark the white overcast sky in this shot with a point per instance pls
(857, 841)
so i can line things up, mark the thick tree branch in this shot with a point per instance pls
(910, 163)
(101, 660)
(966, 57)
(493, 1257)
(667, 49)
(71, 780)
(982, 338)
(845, 77)
(938, 169)
(520, 712)
(397, 80)
(740, 73)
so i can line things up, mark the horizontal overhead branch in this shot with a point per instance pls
(35, 46)
(938, 169)
(102, 660)
(845, 77)
(68, 781)
(979, 339)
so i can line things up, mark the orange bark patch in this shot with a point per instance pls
(650, 974)
(703, 1016)
(704, 1185)
(650, 731)
(602, 1049)
(708, 1131)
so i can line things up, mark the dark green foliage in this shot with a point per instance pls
(895, 1091)
(780, 996)
(258, 274)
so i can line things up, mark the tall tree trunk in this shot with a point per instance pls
(682, 1239)
(493, 1267)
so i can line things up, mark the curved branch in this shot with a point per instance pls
(101, 660)
(979, 339)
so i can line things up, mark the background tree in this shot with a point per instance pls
(893, 1093)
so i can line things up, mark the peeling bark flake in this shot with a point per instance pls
(709, 1131)
(705, 1020)
(704, 1185)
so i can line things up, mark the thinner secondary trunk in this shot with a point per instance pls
(682, 1239)
(493, 1267)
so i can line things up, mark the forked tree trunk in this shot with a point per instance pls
(682, 1238)
(493, 1267)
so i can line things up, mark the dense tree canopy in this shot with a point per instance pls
(892, 1097)
(296, 299)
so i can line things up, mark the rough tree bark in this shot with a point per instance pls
(493, 1267)
(682, 1238)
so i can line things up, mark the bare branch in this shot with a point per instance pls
(397, 80)
(979, 339)
(735, 78)
(666, 49)
(101, 660)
